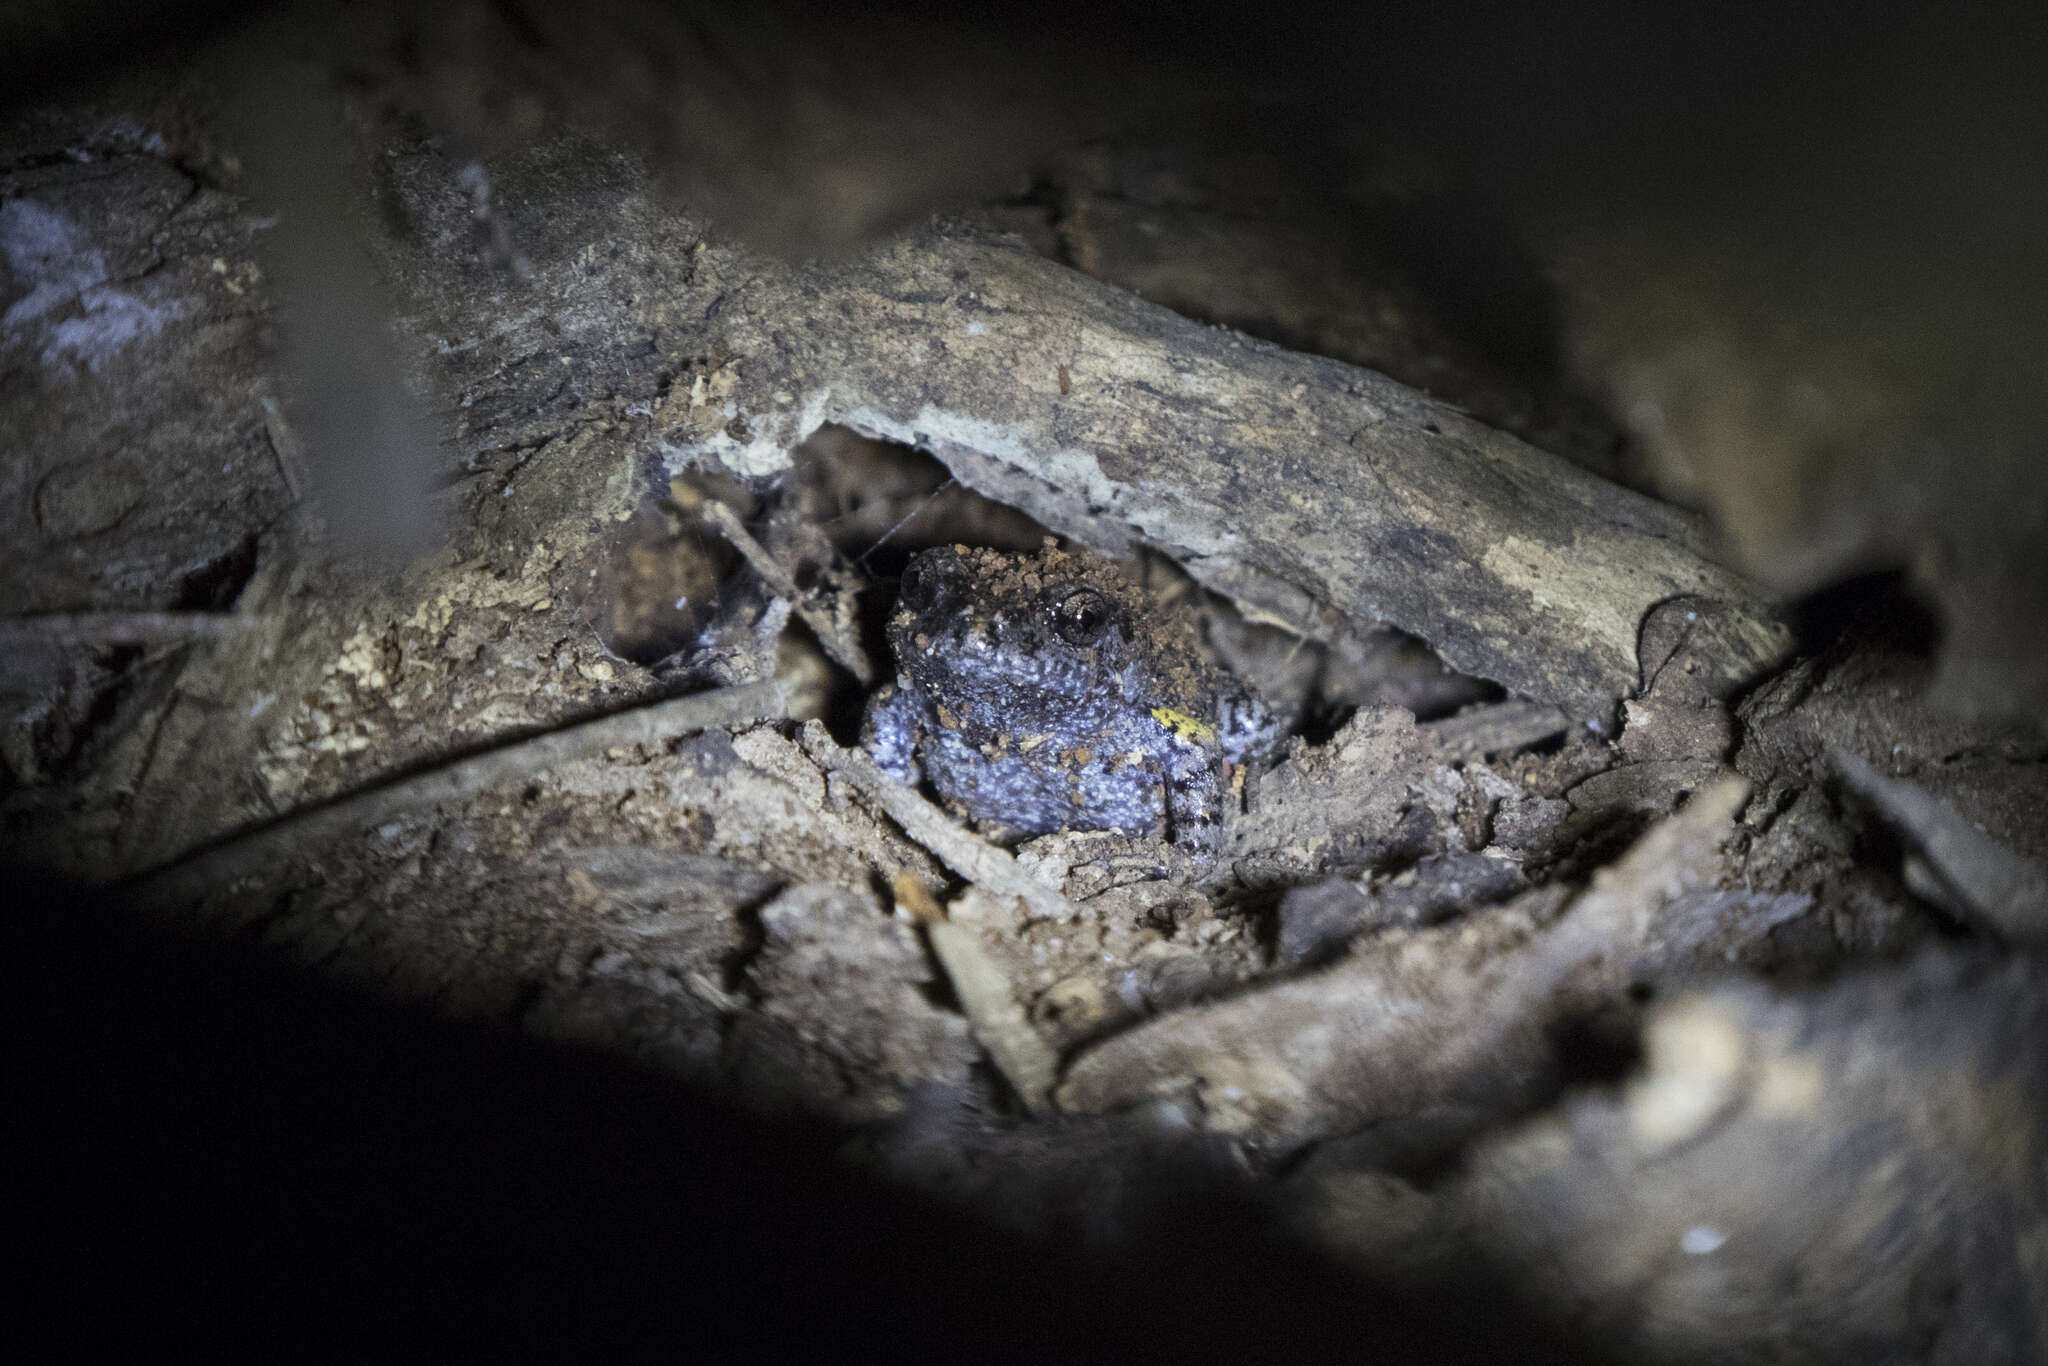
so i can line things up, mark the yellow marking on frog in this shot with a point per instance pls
(1185, 727)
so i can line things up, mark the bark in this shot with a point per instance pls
(1298, 486)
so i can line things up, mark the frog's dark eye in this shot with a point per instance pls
(1082, 616)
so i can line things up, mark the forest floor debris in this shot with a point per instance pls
(1448, 979)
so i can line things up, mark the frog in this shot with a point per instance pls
(1046, 691)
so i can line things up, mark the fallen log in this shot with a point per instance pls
(1298, 486)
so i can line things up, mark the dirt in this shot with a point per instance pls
(1646, 1013)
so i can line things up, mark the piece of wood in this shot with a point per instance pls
(842, 644)
(966, 853)
(515, 761)
(86, 630)
(1293, 484)
(1994, 885)
(1406, 1021)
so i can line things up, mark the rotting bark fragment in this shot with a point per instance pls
(985, 991)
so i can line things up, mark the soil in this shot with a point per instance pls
(1641, 1006)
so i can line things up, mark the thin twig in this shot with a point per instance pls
(505, 765)
(837, 642)
(903, 521)
(118, 628)
(959, 848)
(284, 447)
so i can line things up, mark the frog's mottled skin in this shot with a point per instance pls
(1045, 692)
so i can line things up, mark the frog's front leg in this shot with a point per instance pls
(891, 729)
(1194, 807)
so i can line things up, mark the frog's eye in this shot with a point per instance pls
(1082, 616)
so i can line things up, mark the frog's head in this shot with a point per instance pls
(1054, 628)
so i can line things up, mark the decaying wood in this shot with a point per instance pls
(987, 996)
(1972, 872)
(86, 630)
(1294, 484)
(221, 863)
(1502, 726)
(838, 642)
(1406, 1023)
(966, 853)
